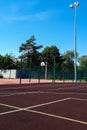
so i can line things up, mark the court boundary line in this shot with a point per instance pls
(68, 93)
(37, 92)
(67, 87)
(18, 93)
(79, 99)
(30, 107)
(59, 117)
(36, 86)
(45, 91)
(38, 105)
(46, 114)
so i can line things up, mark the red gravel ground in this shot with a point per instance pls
(47, 106)
(27, 81)
(23, 81)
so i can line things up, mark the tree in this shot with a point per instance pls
(1, 61)
(29, 49)
(7, 62)
(68, 63)
(83, 63)
(48, 55)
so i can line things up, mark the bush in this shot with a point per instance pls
(85, 78)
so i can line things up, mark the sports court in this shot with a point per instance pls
(43, 106)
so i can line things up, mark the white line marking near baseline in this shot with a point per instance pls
(18, 93)
(21, 109)
(65, 88)
(7, 88)
(68, 93)
(37, 92)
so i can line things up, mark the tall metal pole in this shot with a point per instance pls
(75, 49)
(75, 5)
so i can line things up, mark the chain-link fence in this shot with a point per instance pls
(43, 72)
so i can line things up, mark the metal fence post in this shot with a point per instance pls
(54, 69)
(30, 69)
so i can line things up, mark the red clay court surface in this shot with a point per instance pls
(45, 106)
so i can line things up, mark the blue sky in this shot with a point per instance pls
(50, 21)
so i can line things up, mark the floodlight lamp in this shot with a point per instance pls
(76, 4)
(71, 6)
(42, 63)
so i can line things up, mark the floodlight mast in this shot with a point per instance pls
(75, 5)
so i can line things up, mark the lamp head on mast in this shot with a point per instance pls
(77, 4)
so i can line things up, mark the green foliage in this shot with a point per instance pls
(7, 62)
(29, 49)
(48, 55)
(83, 63)
(68, 64)
(85, 79)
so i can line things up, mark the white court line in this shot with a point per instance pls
(68, 93)
(48, 103)
(8, 112)
(65, 88)
(79, 99)
(24, 93)
(18, 93)
(7, 88)
(38, 105)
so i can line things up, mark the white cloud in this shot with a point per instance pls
(21, 5)
(36, 16)
(18, 11)
(43, 15)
